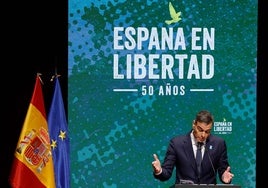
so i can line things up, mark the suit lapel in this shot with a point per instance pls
(207, 158)
(188, 148)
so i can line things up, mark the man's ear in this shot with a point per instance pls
(193, 123)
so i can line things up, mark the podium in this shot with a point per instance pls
(206, 186)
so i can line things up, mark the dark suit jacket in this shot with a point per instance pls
(180, 155)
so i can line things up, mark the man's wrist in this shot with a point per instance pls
(158, 172)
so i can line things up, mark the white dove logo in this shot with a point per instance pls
(173, 14)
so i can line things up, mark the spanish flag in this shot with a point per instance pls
(33, 163)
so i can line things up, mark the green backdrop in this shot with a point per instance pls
(135, 81)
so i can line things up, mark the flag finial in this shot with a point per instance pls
(39, 76)
(55, 76)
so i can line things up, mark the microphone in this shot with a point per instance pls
(209, 157)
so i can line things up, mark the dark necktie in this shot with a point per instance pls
(199, 157)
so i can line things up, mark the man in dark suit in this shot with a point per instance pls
(182, 151)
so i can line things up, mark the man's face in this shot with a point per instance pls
(201, 131)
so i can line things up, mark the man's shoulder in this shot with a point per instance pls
(181, 137)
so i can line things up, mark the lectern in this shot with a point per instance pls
(206, 186)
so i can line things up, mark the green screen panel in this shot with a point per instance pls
(135, 81)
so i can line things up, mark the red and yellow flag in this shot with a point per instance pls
(33, 163)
